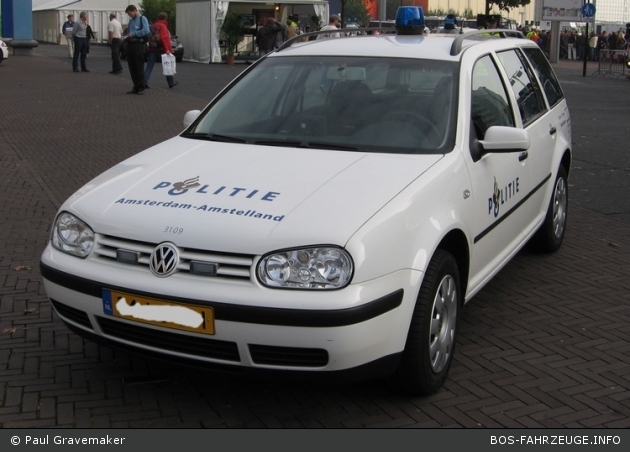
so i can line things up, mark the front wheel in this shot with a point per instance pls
(432, 334)
(551, 233)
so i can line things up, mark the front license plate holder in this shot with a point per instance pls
(157, 312)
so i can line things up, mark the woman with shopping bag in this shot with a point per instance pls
(160, 47)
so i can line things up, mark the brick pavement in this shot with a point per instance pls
(545, 344)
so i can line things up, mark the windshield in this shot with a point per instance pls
(389, 105)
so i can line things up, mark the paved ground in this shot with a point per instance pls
(545, 344)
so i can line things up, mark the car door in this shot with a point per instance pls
(556, 122)
(500, 180)
(541, 126)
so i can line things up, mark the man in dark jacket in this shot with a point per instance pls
(267, 36)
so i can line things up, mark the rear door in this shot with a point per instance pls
(557, 121)
(539, 122)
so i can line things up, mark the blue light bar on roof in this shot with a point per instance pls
(409, 20)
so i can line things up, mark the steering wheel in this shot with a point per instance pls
(422, 122)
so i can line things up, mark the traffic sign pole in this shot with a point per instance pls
(588, 11)
(586, 52)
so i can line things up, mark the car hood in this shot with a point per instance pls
(242, 198)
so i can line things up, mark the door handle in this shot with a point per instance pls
(552, 131)
(523, 156)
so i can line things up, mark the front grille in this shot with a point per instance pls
(288, 356)
(229, 265)
(191, 345)
(69, 313)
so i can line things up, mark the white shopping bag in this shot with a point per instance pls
(168, 64)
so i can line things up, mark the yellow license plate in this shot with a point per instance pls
(167, 314)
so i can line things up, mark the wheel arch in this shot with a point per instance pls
(456, 244)
(566, 161)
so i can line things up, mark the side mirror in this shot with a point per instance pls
(505, 139)
(190, 117)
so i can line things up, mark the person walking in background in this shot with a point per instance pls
(333, 24)
(601, 44)
(160, 27)
(612, 41)
(138, 32)
(79, 35)
(89, 35)
(564, 45)
(592, 46)
(114, 39)
(66, 30)
(290, 31)
(571, 45)
(267, 35)
(491, 23)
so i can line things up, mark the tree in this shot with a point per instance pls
(233, 30)
(505, 5)
(355, 10)
(151, 9)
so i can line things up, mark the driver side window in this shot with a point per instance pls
(489, 100)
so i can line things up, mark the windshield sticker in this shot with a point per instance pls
(192, 185)
(501, 196)
(200, 208)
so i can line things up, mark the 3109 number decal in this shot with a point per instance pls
(173, 230)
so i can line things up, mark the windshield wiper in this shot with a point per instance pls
(291, 144)
(306, 144)
(214, 137)
(332, 146)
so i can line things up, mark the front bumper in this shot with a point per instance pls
(255, 327)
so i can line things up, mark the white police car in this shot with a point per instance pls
(4, 51)
(330, 211)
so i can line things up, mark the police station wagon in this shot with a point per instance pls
(330, 211)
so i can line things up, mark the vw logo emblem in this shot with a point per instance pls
(164, 260)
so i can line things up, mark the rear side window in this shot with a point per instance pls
(545, 74)
(528, 97)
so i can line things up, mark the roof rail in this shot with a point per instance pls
(456, 47)
(342, 31)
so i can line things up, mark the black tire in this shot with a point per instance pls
(427, 357)
(549, 236)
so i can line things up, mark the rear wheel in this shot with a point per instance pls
(431, 339)
(551, 233)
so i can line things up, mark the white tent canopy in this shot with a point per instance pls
(81, 5)
(198, 19)
(49, 15)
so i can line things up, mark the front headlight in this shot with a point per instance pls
(72, 236)
(306, 268)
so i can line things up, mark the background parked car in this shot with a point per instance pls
(4, 51)
(178, 49)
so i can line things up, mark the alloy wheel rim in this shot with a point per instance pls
(559, 208)
(443, 324)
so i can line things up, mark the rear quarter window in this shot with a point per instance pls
(544, 72)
